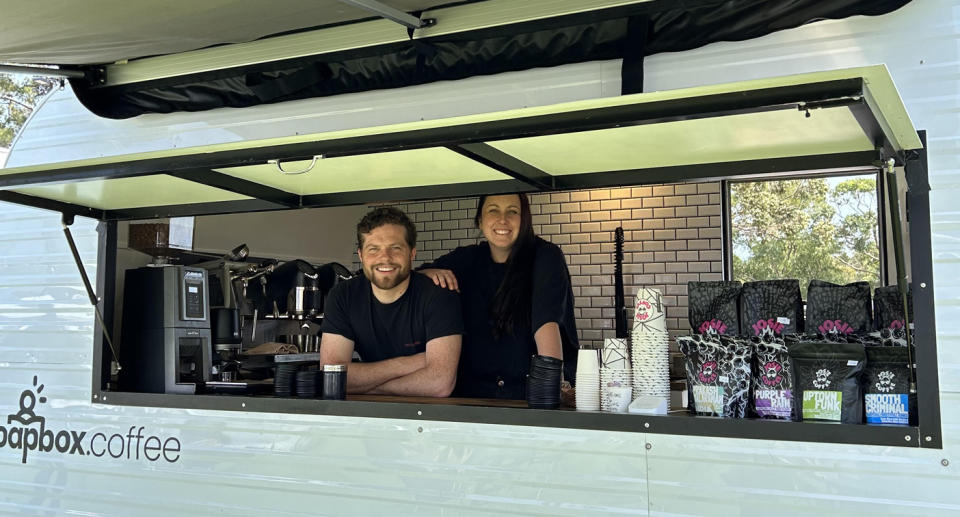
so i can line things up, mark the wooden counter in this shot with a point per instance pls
(446, 401)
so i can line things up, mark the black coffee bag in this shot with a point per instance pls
(838, 309)
(771, 306)
(886, 387)
(718, 375)
(713, 307)
(888, 307)
(815, 337)
(828, 381)
(772, 379)
(896, 337)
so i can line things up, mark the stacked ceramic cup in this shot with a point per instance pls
(650, 347)
(588, 380)
(615, 377)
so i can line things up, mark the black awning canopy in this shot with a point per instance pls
(186, 56)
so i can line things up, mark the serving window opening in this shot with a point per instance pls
(673, 233)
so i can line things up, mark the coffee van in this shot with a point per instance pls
(251, 455)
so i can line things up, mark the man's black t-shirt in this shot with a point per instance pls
(497, 368)
(383, 331)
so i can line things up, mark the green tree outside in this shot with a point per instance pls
(805, 229)
(19, 95)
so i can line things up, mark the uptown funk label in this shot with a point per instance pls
(822, 405)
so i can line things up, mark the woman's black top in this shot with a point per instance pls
(497, 368)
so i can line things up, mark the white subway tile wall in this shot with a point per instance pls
(672, 236)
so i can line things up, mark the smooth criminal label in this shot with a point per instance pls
(773, 403)
(822, 405)
(893, 408)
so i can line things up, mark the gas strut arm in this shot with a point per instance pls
(67, 220)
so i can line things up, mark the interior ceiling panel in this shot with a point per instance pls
(773, 134)
(67, 32)
(414, 168)
(116, 194)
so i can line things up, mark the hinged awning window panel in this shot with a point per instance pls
(399, 169)
(827, 120)
(764, 135)
(160, 190)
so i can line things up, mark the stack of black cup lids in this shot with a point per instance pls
(543, 382)
(307, 383)
(283, 381)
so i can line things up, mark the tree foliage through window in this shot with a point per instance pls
(19, 95)
(807, 229)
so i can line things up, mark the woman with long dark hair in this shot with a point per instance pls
(516, 297)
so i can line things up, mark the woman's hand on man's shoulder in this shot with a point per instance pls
(442, 277)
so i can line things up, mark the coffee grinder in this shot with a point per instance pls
(166, 330)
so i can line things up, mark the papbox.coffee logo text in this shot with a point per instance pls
(32, 435)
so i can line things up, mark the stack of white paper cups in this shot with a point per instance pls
(616, 389)
(650, 348)
(588, 380)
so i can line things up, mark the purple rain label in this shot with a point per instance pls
(773, 403)
(891, 408)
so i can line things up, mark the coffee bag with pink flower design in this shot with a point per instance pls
(838, 309)
(718, 374)
(713, 307)
(772, 379)
(890, 317)
(888, 307)
(771, 307)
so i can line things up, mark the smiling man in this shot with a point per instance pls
(405, 329)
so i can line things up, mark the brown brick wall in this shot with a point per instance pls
(672, 236)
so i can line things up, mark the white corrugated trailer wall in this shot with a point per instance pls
(249, 464)
(920, 45)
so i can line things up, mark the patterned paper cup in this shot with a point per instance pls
(616, 400)
(649, 313)
(615, 353)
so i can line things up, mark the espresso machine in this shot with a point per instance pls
(295, 293)
(265, 300)
(166, 330)
(293, 290)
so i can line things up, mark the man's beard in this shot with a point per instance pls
(386, 283)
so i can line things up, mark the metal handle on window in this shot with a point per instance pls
(279, 166)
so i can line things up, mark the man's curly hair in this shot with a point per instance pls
(386, 215)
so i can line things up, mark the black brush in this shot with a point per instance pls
(621, 314)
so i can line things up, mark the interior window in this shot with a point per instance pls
(810, 228)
